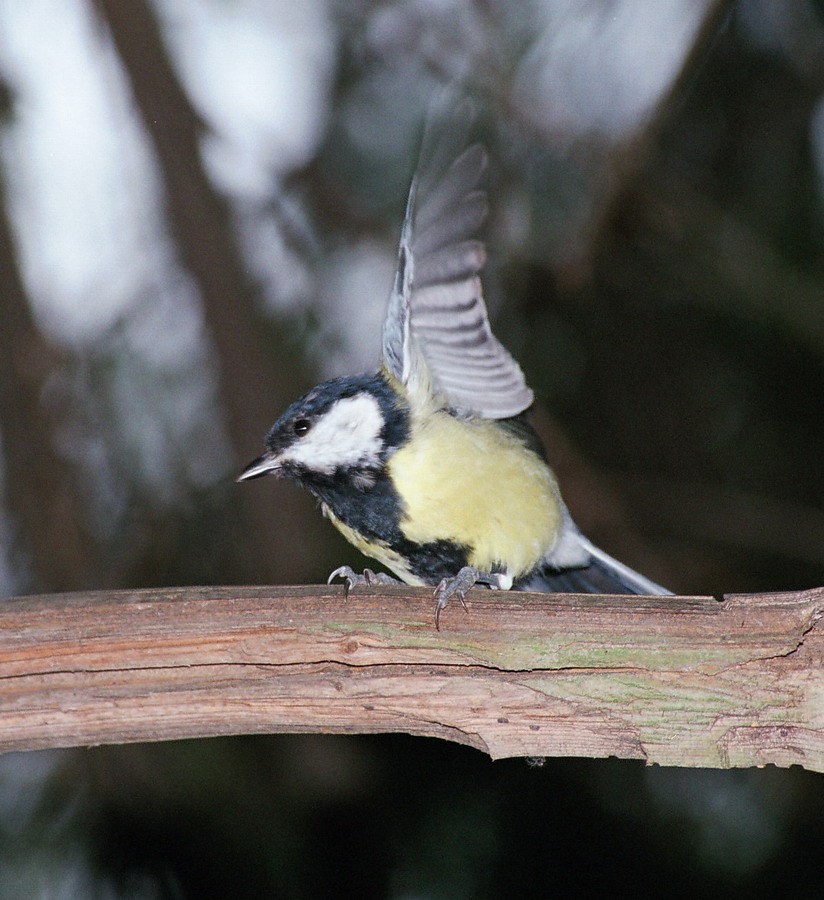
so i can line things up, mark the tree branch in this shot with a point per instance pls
(686, 681)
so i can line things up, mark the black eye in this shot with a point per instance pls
(301, 426)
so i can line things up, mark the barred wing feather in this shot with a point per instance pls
(437, 307)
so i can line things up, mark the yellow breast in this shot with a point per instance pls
(472, 482)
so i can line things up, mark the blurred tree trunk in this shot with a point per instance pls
(254, 390)
(38, 483)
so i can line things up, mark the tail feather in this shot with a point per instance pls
(603, 575)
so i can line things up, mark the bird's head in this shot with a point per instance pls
(343, 428)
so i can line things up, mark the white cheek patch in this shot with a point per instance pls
(346, 435)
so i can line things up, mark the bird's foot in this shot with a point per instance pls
(351, 578)
(459, 584)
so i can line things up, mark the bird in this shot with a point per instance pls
(429, 464)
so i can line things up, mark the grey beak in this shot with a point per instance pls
(263, 465)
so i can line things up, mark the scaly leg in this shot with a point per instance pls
(458, 586)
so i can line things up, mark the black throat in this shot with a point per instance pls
(363, 496)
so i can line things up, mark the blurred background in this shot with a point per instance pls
(200, 202)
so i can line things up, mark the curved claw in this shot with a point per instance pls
(452, 587)
(352, 579)
(458, 585)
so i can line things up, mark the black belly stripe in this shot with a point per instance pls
(434, 560)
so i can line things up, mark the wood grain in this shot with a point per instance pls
(685, 681)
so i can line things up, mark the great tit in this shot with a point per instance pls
(428, 465)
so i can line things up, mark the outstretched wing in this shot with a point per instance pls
(436, 311)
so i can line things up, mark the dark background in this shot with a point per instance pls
(199, 210)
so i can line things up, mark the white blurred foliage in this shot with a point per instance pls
(85, 191)
(86, 196)
(600, 66)
(257, 71)
(82, 188)
(355, 288)
(86, 202)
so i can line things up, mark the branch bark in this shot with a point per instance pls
(686, 681)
